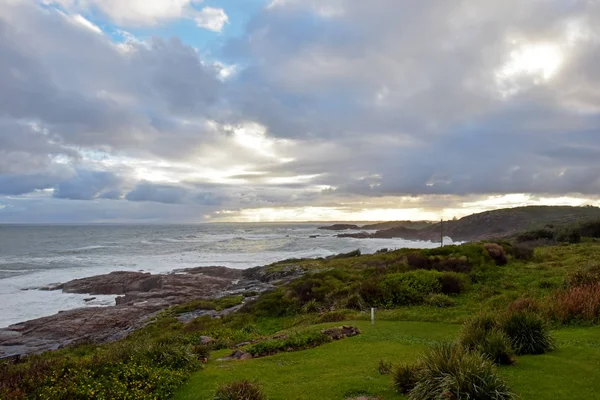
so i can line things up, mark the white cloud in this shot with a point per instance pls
(213, 19)
(132, 12)
(86, 23)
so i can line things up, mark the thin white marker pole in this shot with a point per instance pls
(372, 316)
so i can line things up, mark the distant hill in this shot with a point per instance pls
(492, 224)
(380, 226)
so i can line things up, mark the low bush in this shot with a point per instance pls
(299, 341)
(405, 377)
(439, 300)
(578, 303)
(528, 333)
(272, 304)
(408, 288)
(585, 276)
(385, 367)
(525, 304)
(333, 316)
(240, 390)
(522, 252)
(536, 235)
(354, 302)
(453, 283)
(497, 253)
(482, 334)
(449, 371)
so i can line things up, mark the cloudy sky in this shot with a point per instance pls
(260, 110)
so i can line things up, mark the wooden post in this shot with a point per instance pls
(372, 316)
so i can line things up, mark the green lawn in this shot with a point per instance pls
(349, 367)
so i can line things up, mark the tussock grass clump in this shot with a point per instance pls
(385, 367)
(528, 332)
(449, 371)
(405, 377)
(483, 335)
(240, 390)
(580, 303)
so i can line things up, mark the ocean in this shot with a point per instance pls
(36, 256)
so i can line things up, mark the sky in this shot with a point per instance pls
(189, 111)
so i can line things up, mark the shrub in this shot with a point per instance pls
(535, 235)
(272, 304)
(453, 283)
(201, 351)
(294, 342)
(354, 302)
(579, 303)
(522, 252)
(240, 390)
(408, 288)
(439, 300)
(528, 333)
(405, 377)
(585, 276)
(385, 367)
(371, 292)
(497, 253)
(524, 304)
(448, 371)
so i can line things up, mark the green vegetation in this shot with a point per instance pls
(543, 302)
(448, 371)
(240, 390)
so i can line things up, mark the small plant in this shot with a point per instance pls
(497, 253)
(482, 334)
(354, 302)
(385, 367)
(439, 300)
(311, 307)
(528, 333)
(448, 371)
(202, 351)
(240, 390)
(405, 377)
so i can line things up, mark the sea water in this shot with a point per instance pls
(32, 257)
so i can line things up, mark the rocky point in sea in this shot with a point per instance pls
(140, 296)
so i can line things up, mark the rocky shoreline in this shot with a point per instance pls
(140, 297)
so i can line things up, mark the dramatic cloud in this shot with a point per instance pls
(330, 107)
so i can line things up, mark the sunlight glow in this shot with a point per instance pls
(538, 61)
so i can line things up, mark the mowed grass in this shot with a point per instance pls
(348, 368)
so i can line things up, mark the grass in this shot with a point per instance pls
(349, 367)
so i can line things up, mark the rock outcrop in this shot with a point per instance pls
(141, 296)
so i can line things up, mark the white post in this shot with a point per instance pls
(372, 316)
